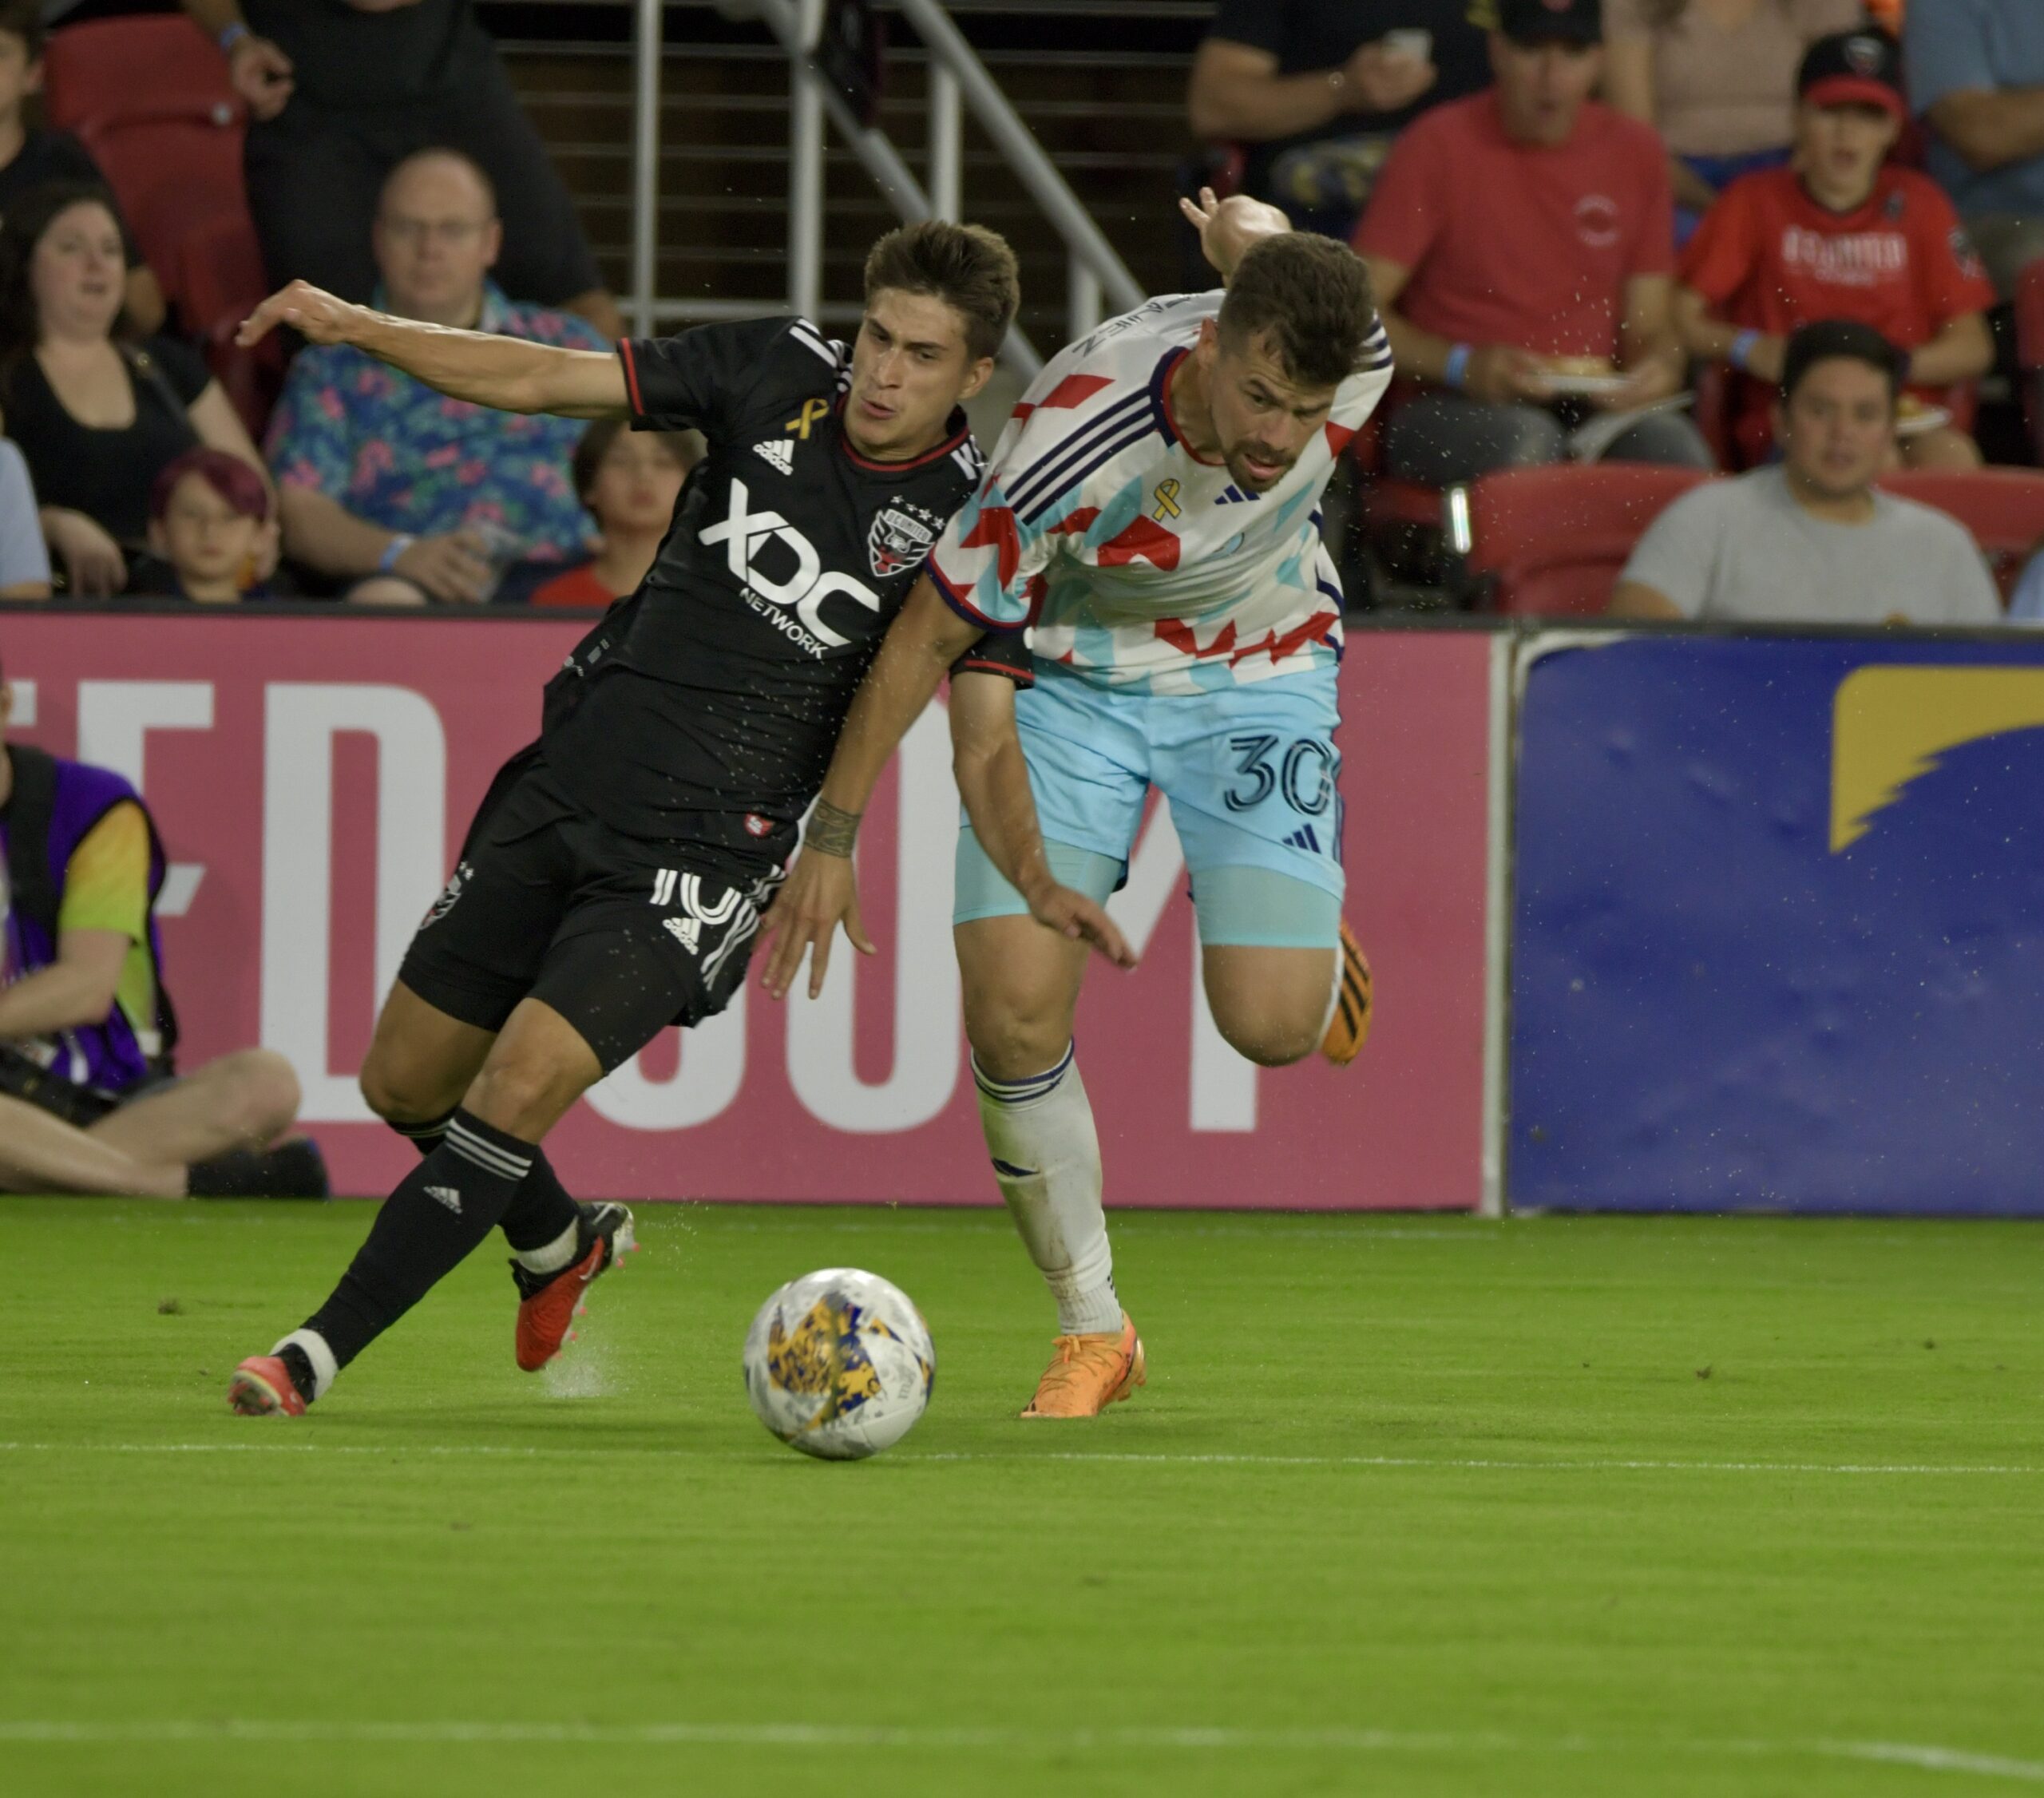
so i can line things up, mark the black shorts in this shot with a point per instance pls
(622, 935)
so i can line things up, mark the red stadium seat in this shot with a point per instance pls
(220, 282)
(1550, 542)
(2030, 349)
(2002, 507)
(149, 97)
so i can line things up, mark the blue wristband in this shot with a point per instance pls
(392, 550)
(1740, 355)
(1455, 370)
(231, 34)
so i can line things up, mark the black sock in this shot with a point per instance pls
(541, 1211)
(441, 1211)
(424, 1137)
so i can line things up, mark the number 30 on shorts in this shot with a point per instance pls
(1305, 772)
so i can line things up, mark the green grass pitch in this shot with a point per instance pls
(1409, 1506)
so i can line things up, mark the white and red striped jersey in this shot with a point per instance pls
(1139, 564)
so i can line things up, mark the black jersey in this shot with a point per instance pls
(706, 706)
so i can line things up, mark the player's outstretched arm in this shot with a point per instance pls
(471, 365)
(993, 780)
(1227, 228)
(821, 892)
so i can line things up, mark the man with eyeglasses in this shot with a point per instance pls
(390, 490)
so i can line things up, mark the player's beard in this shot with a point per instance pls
(1238, 467)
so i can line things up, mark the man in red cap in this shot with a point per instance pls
(1843, 233)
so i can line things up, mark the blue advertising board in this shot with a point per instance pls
(1778, 929)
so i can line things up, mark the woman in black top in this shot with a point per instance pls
(97, 416)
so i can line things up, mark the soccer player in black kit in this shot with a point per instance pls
(614, 876)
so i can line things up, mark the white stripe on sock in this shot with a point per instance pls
(313, 1345)
(464, 1142)
(554, 1256)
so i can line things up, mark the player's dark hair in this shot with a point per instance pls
(23, 19)
(971, 269)
(595, 442)
(28, 220)
(1310, 298)
(1834, 338)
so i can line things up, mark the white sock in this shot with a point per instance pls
(554, 1256)
(1333, 996)
(1047, 1159)
(324, 1366)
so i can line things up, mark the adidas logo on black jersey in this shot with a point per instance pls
(777, 451)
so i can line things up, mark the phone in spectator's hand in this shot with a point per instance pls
(1410, 42)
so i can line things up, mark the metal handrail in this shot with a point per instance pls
(957, 79)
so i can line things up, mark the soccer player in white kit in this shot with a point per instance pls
(1151, 512)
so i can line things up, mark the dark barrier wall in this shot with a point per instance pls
(1779, 930)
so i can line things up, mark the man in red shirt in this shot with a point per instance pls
(1842, 233)
(1521, 248)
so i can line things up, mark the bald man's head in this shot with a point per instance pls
(436, 237)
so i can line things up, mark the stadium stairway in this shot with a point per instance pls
(1100, 82)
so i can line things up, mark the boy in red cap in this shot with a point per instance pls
(1842, 233)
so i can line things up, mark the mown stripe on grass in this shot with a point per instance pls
(1930, 1757)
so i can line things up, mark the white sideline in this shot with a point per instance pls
(1961, 1470)
(1931, 1758)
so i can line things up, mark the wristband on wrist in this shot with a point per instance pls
(831, 830)
(1740, 355)
(392, 550)
(1455, 371)
(231, 34)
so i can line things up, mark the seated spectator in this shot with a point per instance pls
(24, 560)
(86, 1035)
(1844, 234)
(340, 91)
(1315, 90)
(1518, 245)
(1976, 74)
(1713, 77)
(1810, 540)
(2026, 603)
(629, 481)
(97, 415)
(380, 476)
(210, 529)
(31, 159)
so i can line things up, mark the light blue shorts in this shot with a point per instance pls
(1250, 773)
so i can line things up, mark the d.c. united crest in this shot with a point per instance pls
(897, 541)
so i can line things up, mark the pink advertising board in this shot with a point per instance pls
(313, 777)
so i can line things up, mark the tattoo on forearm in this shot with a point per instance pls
(831, 831)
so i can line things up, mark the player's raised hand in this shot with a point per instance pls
(321, 317)
(1074, 916)
(821, 892)
(1228, 227)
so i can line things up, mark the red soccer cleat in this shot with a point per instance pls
(548, 1303)
(262, 1387)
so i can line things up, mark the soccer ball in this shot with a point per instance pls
(838, 1363)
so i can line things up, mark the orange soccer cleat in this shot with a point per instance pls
(262, 1387)
(1350, 1026)
(1088, 1373)
(549, 1303)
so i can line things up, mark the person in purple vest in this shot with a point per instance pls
(89, 1102)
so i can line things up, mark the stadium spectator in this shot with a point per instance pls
(211, 530)
(24, 558)
(1315, 90)
(1518, 245)
(629, 481)
(97, 414)
(29, 158)
(86, 1033)
(384, 481)
(1845, 234)
(1713, 77)
(2026, 603)
(342, 91)
(1811, 540)
(1976, 74)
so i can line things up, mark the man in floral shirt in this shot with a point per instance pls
(388, 485)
